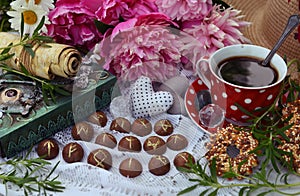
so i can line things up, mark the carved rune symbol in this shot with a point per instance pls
(71, 150)
(184, 157)
(82, 129)
(100, 161)
(165, 125)
(163, 160)
(49, 145)
(154, 145)
(177, 139)
(120, 123)
(130, 140)
(99, 115)
(143, 123)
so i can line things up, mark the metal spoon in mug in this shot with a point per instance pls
(293, 22)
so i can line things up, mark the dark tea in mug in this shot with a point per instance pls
(246, 71)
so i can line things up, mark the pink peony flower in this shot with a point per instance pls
(142, 46)
(221, 28)
(72, 23)
(183, 10)
(110, 11)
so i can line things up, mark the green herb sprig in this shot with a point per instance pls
(26, 174)
(260, 183)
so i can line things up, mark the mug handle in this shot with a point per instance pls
(202, 70)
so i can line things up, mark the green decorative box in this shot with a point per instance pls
(19, 132)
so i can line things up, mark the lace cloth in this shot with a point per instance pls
(82, 178)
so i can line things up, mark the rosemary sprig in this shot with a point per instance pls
(261, 181)
(26, 174)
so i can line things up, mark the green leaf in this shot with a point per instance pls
(62, 91)
(29, 50)
(290, 97)
(281, 130)
(213, 170)
(194, 180)
(204, 192)
(24, 70)
(284, 136)
(102, 27)
(187, 190)
(229, 175)
(242, 191)
(185, 170)
(121, 19)
(43, 38)
(22, 25)
(4, 57)
(52, 95)
(204, 183)
(214, 193)
(244, 110)
(284, 178)
(25, 37)
(51, 172)
(7, 49)
(26, 179)
(39, 27)
(45, 96)
(269, 173)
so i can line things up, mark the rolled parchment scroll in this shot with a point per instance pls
(48, 62)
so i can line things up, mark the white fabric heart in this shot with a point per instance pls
(145, 102)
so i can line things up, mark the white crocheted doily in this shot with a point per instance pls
(84, 179)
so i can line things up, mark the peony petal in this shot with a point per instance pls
(74, 24)
(217, 43)
(123, 26)
(183, 10)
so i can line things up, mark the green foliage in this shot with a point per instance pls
(26, 173)
(260, 182)
(4, 7)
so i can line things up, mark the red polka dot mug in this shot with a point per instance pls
(233, 98)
